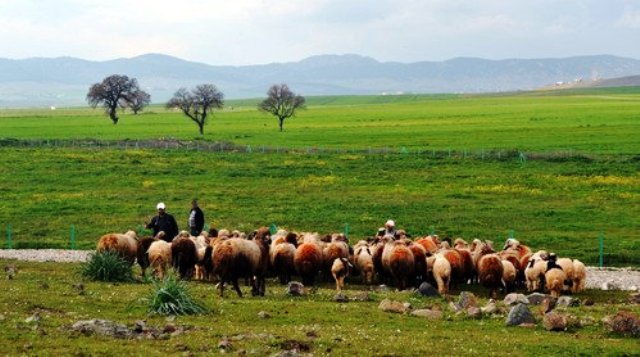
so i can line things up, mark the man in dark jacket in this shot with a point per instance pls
(196, 219)
(164, 222)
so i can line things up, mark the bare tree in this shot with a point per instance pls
(138, 100)
(113, 92)
(197, 103)
(281, 102)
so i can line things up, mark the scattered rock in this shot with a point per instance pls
(225, 345)
(2, 317)
(548, 304)
(35, 318)
(567, 301)
(634, 298)
(393, 306)
(170, 329)
(295, 346)
(295, 288)
(537, 298)
(139, 326)
(513, 298)
(588, 302)
(610, 285)
(624, 323)
(426, 289)
(363, 296)
(312, 334)
(427, 313)
(79, 287)
(455, 307)
(102, 328)
(474, 312)
(554, 321)
(467, 300)
(519, 314)
(264, 315)
(527, 325)
(340, 297)
(11, 271)
(383, 288)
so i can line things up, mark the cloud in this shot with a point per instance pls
(629, 19)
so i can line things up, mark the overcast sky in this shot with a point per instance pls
(238, 32)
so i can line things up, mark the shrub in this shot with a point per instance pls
(171, 297)
(106, 266)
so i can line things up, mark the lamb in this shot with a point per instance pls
(440, 268)
(454, 257)
(340, 270)
(398, 260)
(125, 245)
(579, 276)
(308, 258)
(281, 254)
(364, 261)
(159, 253)
(554, 281)
(184, 256)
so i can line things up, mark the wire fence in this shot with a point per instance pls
(229, 147)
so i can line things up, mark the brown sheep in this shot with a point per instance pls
(398, 260)
(184, 256)
(490, 269)
(579, 276)
(364, 262)
(335, 249)
(340, 270)
(142, 255)
(508, 275)
(420, 261)
(554, 281)
(281, 254)
(429, 243)
(308, 259)
(456, 260)
(567, 266)
(440, 269)
(159, 253)
(125, 245)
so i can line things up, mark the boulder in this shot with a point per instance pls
(340, 297)
(295, 288)
(490, 308)
(428, 314)
(102, 328)
(467, 300)
(426, 289)
(393, 306)
(567, 301)
(519, 314)
(513, 298)
(624, 323)
(537, 298)
(264, 315)
(548, 304)
(362, 296)
(554, 321)
(474, 312)
(634, 298)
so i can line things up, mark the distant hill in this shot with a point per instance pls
(629, 81)
(65, 80)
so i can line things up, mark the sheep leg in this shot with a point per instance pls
(236, 287)
(221, 287)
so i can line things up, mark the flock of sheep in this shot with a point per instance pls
(229, 256)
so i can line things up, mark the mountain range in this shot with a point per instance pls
(65, 80)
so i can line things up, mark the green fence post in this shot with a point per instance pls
(9, 240)
(511, 234)
(601, 241)
(73, 237)
(346, 230)
(432, 230)
(273, 229)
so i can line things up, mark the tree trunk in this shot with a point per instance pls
(201, 127)
(113, 115)
(281, 122)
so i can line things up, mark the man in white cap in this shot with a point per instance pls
(163, 222)
(390, 228)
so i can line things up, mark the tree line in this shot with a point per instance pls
(121, 92)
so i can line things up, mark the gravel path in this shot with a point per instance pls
(605, 279)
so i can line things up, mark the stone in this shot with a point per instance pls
(102, 328)
(467, 300)
(362, 296)
(610, 285)
(634, 298)
(2, 317)
(264, 315)
(519, 314)
(567, 301)
(295, 288)
(490, 308)
(426, 289)
(340, 297)
(427, 313)
(513, 299)
(624, 323)
(588, 302)
(554, 321)
(474, 312)
(383, 288)
(35, 318)
(392, 306)
(537, 298)
(225, 345)
(548, 304)
(455, 307)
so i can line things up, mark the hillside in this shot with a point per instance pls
(64, 80)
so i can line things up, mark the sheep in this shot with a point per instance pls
(440, 269)
(534, 271)
(236, 258)
(554, 281)
(336, 248)
(159, 253)
(567, 266)
(490, 269)
(513, 258)
(281, 254)
(420, 263)
(340, 270)
(184, 256)
(308, 258)
(364, 261)
(125, 245)
(430, 243)
(579, 276)
(398, 260)
(508, 275)
(142, 256)
(469, 271)
(377, 248)
(457, 263)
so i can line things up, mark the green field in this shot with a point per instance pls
(553, 200)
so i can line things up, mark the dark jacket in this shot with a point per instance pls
(199, 219)
(165, 223)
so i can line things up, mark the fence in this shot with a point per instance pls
(228, 147)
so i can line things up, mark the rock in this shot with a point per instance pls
(225, 345)
(169, 328)
(634, 298)
(407, 305)
(588, 302)
(474, 312)
(537, 298)
(490, 308)
(519, 314)
(554, 321)
(624, 323)
(455, 307)
(467, 300)
(79, 287)
(10, 270)
(363, 296)
(102, 328)
(610, 285)
(548, 304)
(513, 298)
(426, 289)
(340, 297)
(295, 288)
(2, 317)
(383, 288)
(567, 301)
(264, 315)
(392, 306)
(139, 326)
(427, 313)
(35, 318)
(527, 325)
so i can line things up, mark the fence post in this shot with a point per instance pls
(346, 230)
(601, 250)
(273, 229)
(511, 234)
(73, 237)
(9, 239)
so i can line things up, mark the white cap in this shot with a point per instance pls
(390, 223)
(161, 206)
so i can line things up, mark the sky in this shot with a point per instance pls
(242, 32)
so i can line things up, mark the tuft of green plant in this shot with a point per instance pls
(171, 296)
(106, 266)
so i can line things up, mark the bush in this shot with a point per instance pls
(171, 297)
(106, 266)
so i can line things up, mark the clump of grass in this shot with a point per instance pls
(106, 266)
(171, 297)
